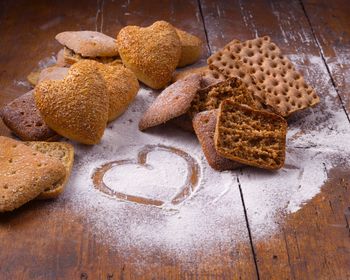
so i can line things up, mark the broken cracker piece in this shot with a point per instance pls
(210, 97)
(204, 124)
(250, 136)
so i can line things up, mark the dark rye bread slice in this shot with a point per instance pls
(204, 124)
(249, 136)
(210, 97)
(173, 102)
(22, 117)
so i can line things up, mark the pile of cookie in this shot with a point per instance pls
(237, 104)
(94, 80)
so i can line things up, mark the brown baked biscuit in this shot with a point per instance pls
(23, 118)
(53, 73)
(24, 173)
(249, 136)
(184, 73)
(88, 43)
(204, 124)
(152, 53)
(70, 57)
(77, 106)
(191, 48)
(122, 86)
(64, 152)
(174, 101)
(210, 97)
(282, 88)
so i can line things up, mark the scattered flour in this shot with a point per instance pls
(212, 216)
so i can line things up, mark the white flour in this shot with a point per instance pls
(212, 217)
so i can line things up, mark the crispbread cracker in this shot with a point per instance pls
(24, 173)
(210, 97)
(252, 137)
(88, 43)
(174, 101)
(282, 88)
(22, 117)
(204, 124)
(56, 150)
(212, 76)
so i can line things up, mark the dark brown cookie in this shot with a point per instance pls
(23, 118)
(174, 101)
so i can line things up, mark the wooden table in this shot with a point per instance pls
(312, 243)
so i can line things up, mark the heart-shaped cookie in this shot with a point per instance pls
(147, 189)
(152, 53)
(122, 86)
(77, 106)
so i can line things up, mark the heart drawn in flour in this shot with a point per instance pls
(159, 175)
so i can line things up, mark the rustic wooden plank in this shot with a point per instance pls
(330, 24)
(45, 239)
(301, 245)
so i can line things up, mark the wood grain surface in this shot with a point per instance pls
(45, 240)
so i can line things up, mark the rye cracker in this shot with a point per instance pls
(204, 124)
(210, 97)
(249, 136)
(280, 86)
